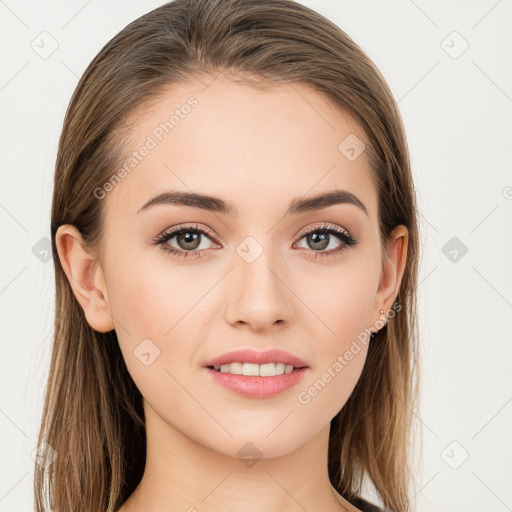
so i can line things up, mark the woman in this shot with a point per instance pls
(235, 241)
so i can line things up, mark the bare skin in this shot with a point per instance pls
(259, 150)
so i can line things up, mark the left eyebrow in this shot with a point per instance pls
(215, 204)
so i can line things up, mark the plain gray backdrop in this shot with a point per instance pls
(449, 67)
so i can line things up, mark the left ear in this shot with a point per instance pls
(392, 272)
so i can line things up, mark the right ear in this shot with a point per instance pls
(85, 277)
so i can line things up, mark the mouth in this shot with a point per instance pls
(256, 374)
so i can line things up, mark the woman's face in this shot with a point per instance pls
(244, 274)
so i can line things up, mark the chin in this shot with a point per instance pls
(247, 446)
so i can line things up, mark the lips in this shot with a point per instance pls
(250, 384)
(255, 357)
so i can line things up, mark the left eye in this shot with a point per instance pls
(321, 239)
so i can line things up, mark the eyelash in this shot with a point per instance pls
(343, 235)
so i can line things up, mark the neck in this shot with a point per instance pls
(181, 474)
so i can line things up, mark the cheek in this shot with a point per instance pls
(345, 310)
(151, 295)
(161, 318)
(333, 379)
(343, 303)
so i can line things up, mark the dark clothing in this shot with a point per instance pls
(365, 506)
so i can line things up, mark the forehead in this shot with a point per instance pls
(251, 146)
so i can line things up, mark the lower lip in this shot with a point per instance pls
(258, 387)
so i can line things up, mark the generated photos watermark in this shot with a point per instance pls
(362, 339)
(152, 140)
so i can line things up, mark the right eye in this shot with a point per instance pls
(188, 240)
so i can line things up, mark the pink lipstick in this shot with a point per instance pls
(256, 374)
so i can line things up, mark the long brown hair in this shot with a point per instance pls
(93, 417)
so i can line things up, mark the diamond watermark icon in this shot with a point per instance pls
(44, 455)
(42, 250)
(45, 45)
(146, 352)
(455, 455)
(454, 45)
(249, 249)
(351, 147)
(454, 249)
(249, 454)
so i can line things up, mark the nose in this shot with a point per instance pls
(259, 297)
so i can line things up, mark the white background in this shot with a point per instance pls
(457, 113)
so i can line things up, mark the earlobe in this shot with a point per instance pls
(85, 277)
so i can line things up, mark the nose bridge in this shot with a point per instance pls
(260, 296)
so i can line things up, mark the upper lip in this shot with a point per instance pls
(257, 357)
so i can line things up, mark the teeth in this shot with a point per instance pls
(280, 367)
(262, 370)
(236, 368)
(251, 369)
